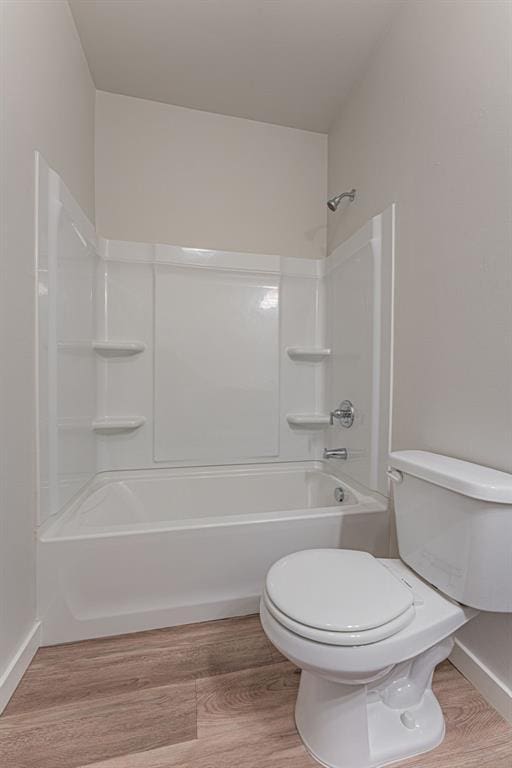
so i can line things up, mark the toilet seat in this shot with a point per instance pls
(338, 597)
(341, 638)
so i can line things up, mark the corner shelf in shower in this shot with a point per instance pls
(110, 425)
(308, 420)
(308, 354)
(118, 348)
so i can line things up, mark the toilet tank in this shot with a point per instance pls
(454, 526)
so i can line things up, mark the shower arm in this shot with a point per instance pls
(351, 195)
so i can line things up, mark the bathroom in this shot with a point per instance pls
(254, 255)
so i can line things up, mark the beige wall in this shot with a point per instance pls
(429, 126)
(181, 176)
(47, 103)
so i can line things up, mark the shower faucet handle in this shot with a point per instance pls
(345, 414)
(334, 415)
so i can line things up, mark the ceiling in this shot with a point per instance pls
(289, 62)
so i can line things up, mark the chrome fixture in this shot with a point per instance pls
(333, 203)
(345, 414)
(339, 494)
(395, 475)
(336, 453)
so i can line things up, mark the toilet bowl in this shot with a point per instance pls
(367, 634)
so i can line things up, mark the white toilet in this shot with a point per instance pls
(368, 633)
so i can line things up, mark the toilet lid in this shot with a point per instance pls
(338, 590)
(363, 637)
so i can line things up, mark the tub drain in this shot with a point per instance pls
(339, 494)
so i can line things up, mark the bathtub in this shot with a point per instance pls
(156, 548)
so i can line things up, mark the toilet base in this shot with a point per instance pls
(366, 726)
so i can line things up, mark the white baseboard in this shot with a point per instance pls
(18, 665)
(491, 687)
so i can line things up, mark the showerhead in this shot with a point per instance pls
(334, 202)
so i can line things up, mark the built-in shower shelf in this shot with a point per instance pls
(308, 420)
(308, 354)
(111, 425)
(118, 348)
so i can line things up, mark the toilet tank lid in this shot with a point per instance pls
(463, 477)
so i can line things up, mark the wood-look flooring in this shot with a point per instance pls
(212, 695)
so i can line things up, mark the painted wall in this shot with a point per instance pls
(429, 126)
(172, 175)
(47, 104)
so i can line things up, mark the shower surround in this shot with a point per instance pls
(184, 399)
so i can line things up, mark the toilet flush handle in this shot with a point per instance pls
(395, 475)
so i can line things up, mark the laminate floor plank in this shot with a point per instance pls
(476, 735)
(93, 730)
(180, 636)
(284, 751)
(262, 702)
(256, 702)
(75, 671)
(243, 719)
(212, 695)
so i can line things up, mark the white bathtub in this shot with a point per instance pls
(155, 548)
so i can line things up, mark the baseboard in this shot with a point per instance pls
(491, 687)
(18, 665)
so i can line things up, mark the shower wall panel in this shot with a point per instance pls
(359, 302)
(67, 261)
(125, 382)
(214, 383)
(216, 364)
(160, 355)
